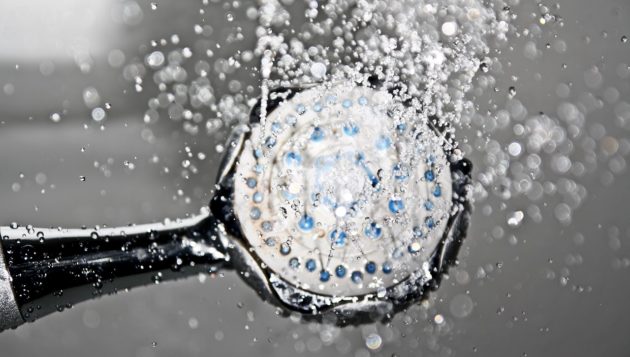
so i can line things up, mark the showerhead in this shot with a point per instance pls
(337, 201)
(347, 200)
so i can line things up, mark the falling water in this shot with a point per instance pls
(447, 58)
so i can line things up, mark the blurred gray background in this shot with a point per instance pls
(550, 290)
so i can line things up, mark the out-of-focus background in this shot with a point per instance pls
(539, 289)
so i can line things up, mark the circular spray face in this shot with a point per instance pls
(343, 191)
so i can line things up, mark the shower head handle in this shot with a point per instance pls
(48, 270)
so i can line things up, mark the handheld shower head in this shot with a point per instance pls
(338, 201)
(347, 200)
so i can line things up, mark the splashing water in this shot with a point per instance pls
(444, 58)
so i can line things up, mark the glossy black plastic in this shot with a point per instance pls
(53, 269)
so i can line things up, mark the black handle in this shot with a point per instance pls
(52, 269)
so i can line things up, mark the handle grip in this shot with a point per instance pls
(48, 270)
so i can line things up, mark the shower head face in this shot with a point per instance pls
(343, 192)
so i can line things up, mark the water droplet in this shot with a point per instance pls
(461, 306)
(449, 28)
(155, 59)
(373, 341)
(438, 319)
(318, 70)
(514, 219)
